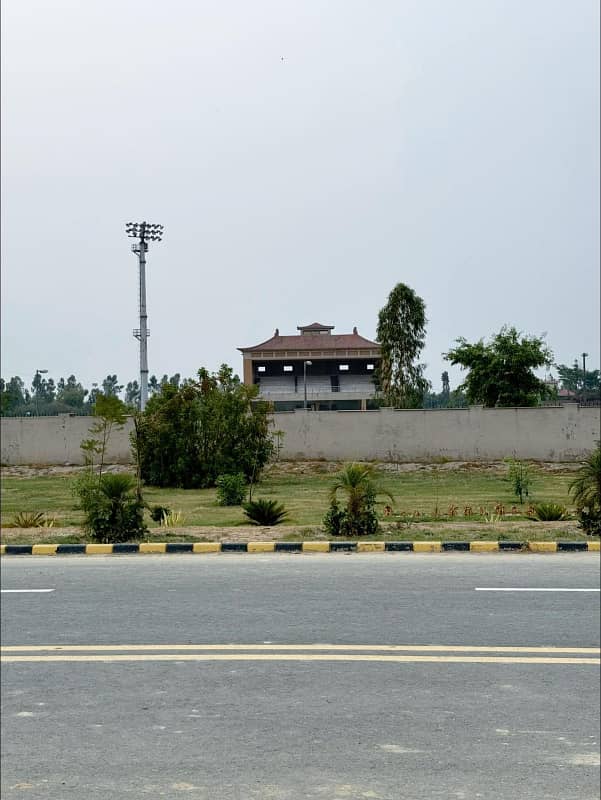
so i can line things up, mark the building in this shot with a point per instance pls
(336, 370)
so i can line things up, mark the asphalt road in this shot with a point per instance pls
(404, 676)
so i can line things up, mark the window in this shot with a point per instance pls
(343, 367)
(370, 367)
(288, 368)
(261, 369)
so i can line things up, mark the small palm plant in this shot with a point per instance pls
(585, 490)
(358, 483)
(112, 510)
(265, 512)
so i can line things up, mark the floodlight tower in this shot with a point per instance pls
(143, 232)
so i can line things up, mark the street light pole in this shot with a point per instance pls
(143, 231)
(584, 355)
(305, 365)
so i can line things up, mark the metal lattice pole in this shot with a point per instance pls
(143, 231)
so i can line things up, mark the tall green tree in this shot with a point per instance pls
(132, 394)
(13, 395)
(500, 373)
(401, 333)
(573, 377)
(71, 392)
(190, 435)
(111, 386)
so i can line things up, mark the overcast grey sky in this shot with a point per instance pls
(304, 157)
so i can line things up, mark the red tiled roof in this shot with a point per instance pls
(344, 341)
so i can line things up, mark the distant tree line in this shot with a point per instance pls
(46, 397)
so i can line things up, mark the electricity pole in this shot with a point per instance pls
(143, 232)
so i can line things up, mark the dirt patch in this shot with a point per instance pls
(307, 468)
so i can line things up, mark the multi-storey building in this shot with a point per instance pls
(332, 371)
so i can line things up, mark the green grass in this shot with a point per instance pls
(306, 496)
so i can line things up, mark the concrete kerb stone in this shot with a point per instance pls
(334, 546)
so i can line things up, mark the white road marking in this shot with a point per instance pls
(24, 591)
(530, 589)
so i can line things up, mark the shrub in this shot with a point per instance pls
(359, 516)
(158, 512)
(520, 478)
(173, 519)
(112, 511)
(548, 512)
(26, 519)
(189, 435)
(585, 490)
(265, 512)
(590, 522)
(230, 489)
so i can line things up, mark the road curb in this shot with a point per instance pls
(334, 546)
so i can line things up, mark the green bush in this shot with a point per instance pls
(158, 512)
(265, 512)
(112, 510)
(590, 522)
(548, 512)
(231, 489)
(358, 517)
(191, 434)
(26, 519)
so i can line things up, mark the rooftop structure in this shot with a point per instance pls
(336, 370)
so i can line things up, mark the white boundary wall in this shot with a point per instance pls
(564, 433)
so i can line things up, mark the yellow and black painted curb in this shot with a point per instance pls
(480, 546)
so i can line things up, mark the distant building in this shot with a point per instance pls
(339, 377)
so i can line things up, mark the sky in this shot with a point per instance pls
(304, 157)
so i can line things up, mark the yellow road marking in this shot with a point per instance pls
(427, 547)
(542, 547)
(316, 547)
(483, 547)
(370, 547)
(301, 657)
(386, 648)
(92, 549)
(44, 549)
(153, 547)
(206, 547)
(260, 547)
(594, 547)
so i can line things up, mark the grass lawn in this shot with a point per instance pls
(423, 508)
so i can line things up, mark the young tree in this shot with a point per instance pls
(500, 372)
(110, 413)
(188, 436)
(401, 334)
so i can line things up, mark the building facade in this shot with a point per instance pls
(315, 367)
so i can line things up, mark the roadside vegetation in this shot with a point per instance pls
(437, 501)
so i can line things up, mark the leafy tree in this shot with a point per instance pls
(401, 334)
(132, 394)
(446, 385)
(189, 435)
(12, 395)
(572, 378)
(71, 392)
(520, 478)
(500, 373)
(111, 386)
(153, 385)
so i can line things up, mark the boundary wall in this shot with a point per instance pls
(558, 433)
